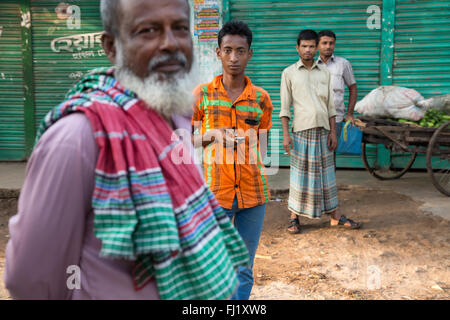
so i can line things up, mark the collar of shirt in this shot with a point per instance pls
(245, 95)
(319, 60)
(300, 64)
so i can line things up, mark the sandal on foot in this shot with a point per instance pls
(353, 224)
(294, 223)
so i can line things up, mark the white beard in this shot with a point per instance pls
(170, 96)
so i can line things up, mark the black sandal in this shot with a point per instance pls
(294, 223)
(353, 224)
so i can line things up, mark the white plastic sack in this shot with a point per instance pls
(391, 102)
(441, 103)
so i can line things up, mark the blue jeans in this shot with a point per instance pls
(249, 223)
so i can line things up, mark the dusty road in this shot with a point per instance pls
(401, 252)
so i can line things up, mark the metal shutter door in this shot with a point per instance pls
(422, 46)
(60, 61)
(12, 128)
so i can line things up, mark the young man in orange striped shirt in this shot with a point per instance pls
(231, 117)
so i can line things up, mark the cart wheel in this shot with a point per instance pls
(438, 159)
(392, 168)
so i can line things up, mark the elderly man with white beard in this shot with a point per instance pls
(105, 212)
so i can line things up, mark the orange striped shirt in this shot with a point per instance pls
(237, 171)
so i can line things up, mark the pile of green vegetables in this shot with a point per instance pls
(432, 119)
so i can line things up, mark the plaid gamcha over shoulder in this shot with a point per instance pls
(239, 172)
(147, 209)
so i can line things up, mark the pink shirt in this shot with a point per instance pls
(54, 227)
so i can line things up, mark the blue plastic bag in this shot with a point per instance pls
(350, 139)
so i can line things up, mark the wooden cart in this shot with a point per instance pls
(402, 144)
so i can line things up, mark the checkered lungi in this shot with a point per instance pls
(313, 189)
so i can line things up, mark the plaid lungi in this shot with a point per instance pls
(313, 189)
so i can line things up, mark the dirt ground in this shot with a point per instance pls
(400, 253)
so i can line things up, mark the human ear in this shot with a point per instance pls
(218, 53)
(108, 44)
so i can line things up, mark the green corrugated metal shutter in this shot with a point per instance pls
(61, 55)
(422, 49)
(422, 46)
(12, 139)
(275, 26)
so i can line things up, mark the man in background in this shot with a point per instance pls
(341, 76)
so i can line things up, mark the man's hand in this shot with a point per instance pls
(350, 117)
(332, 141)
(287, 144)
(225, 136)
